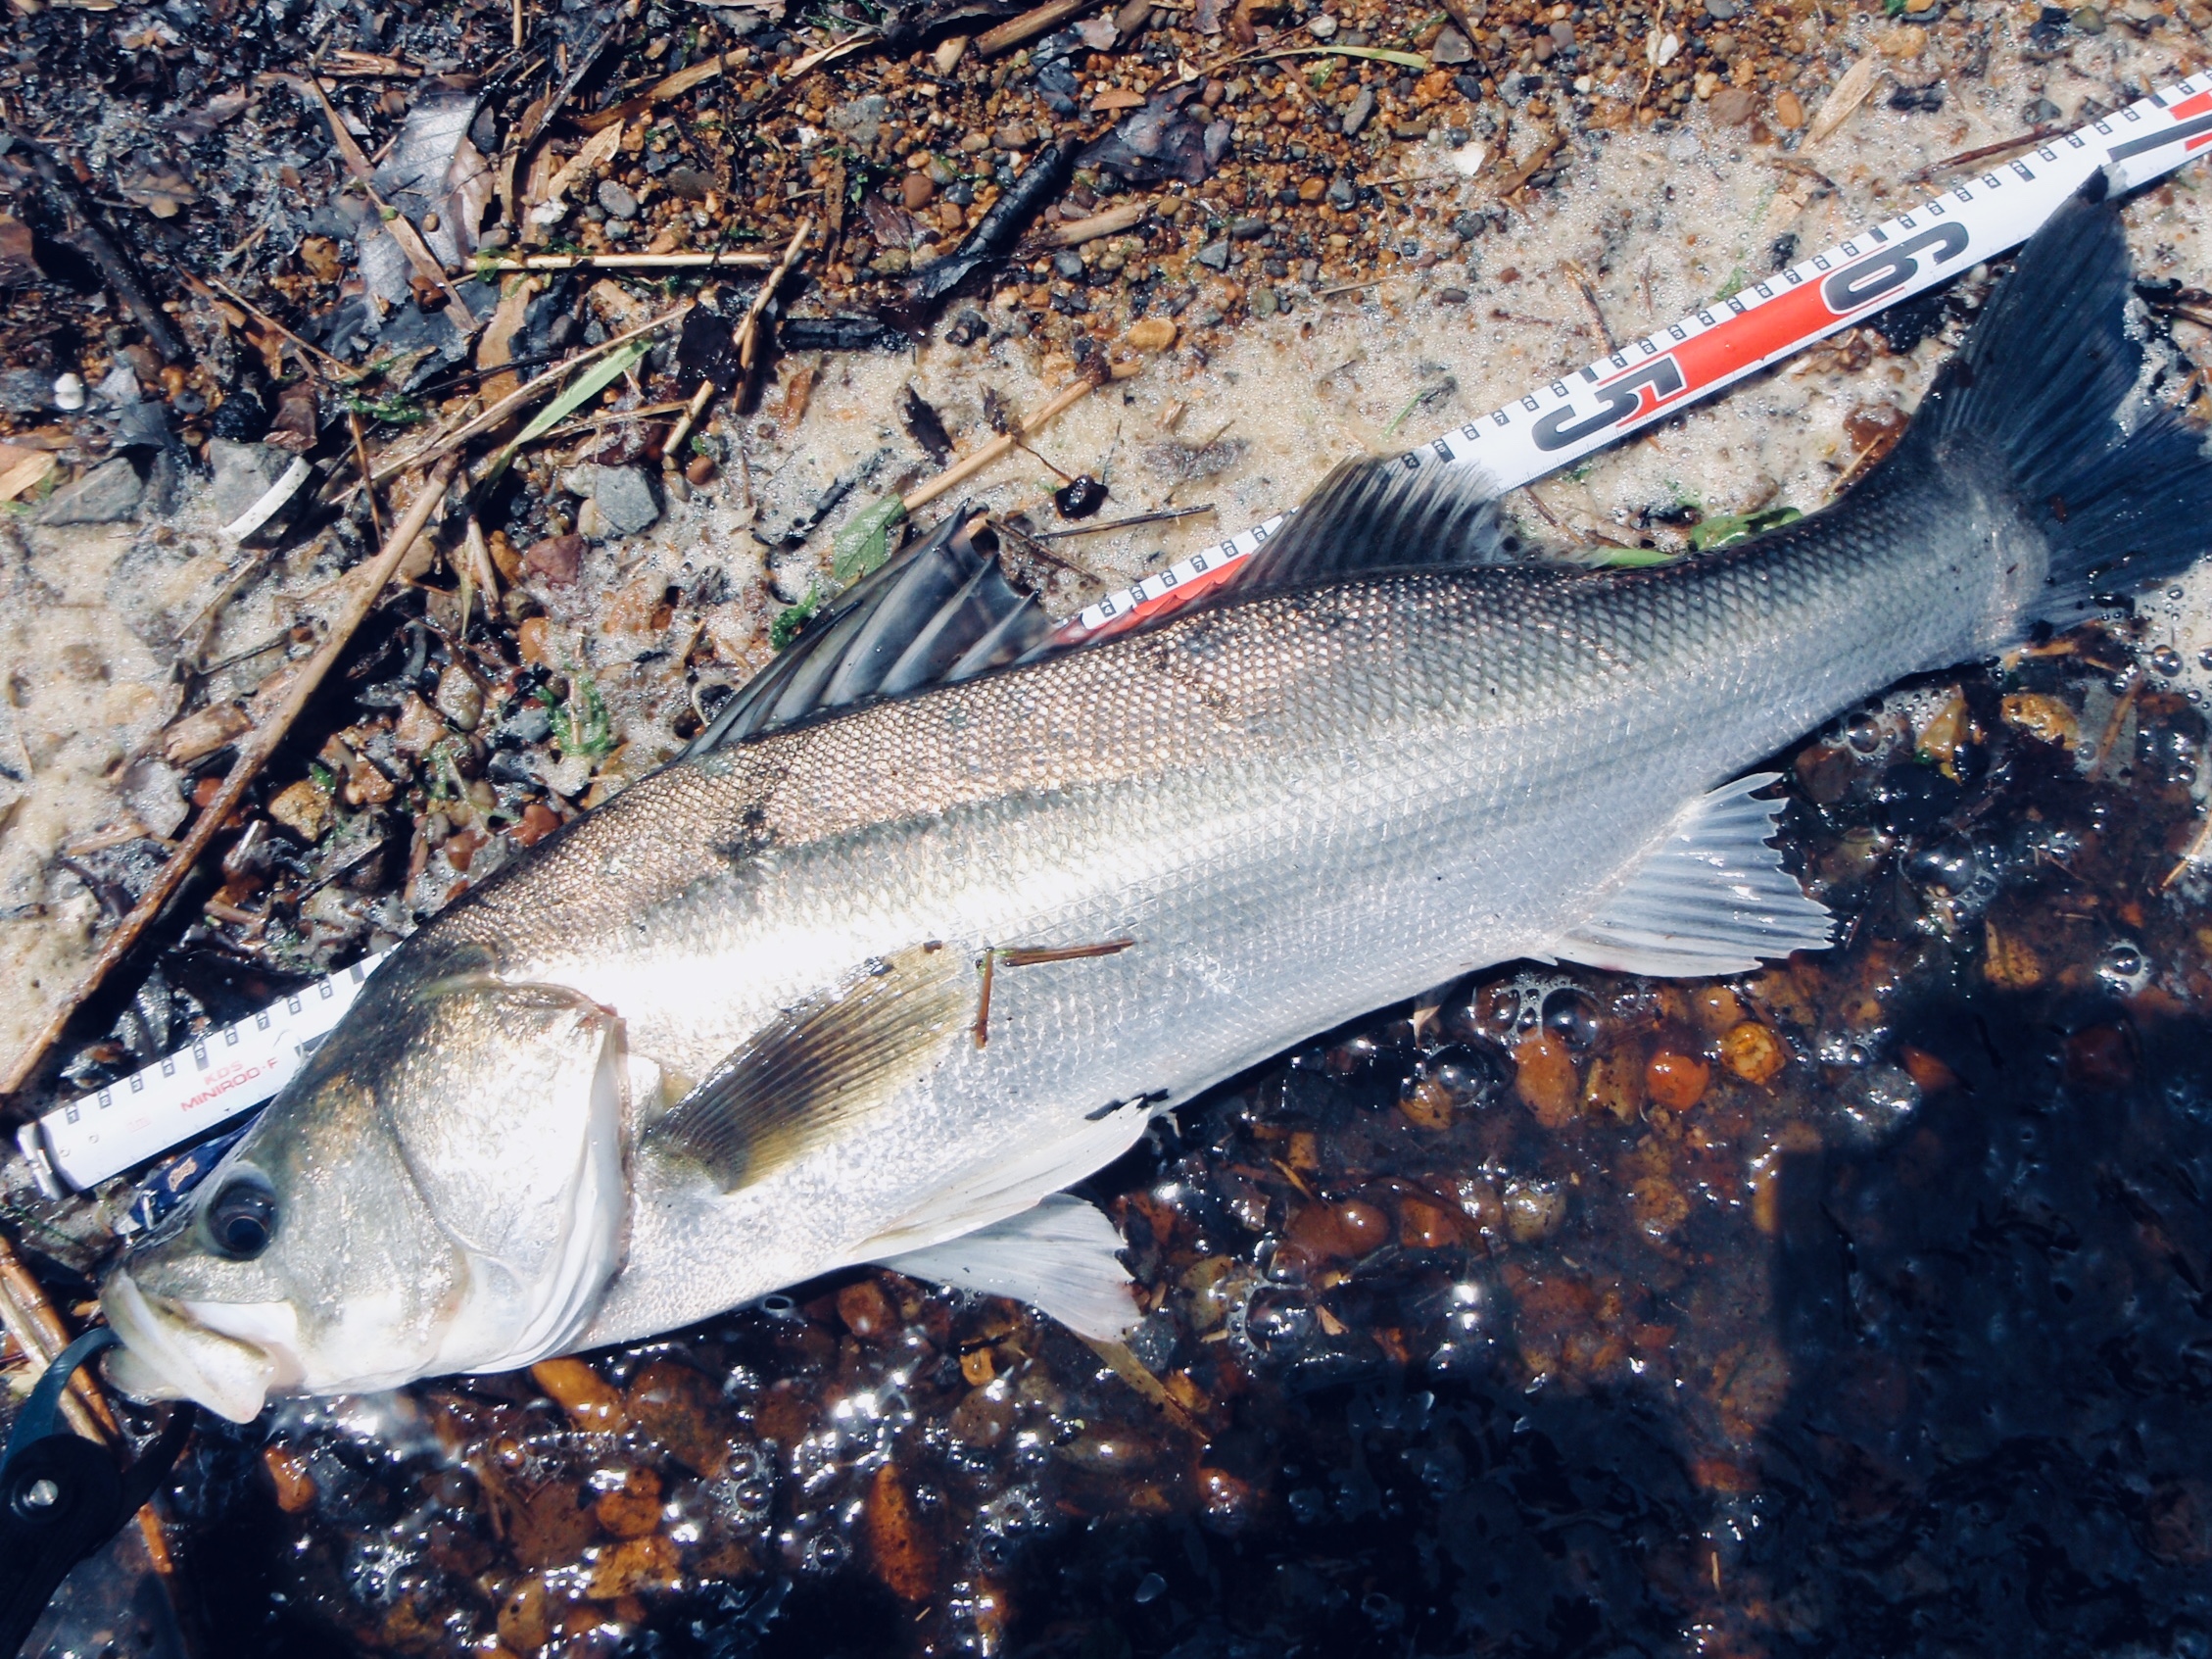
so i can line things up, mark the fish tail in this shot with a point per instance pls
(2048, 387)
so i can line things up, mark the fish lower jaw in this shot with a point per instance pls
(167, 1355)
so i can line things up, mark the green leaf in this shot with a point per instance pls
(579, 392)
(1637, 558)
(788, 623)
(1382, 54)
(864, 544)
(1738, 526)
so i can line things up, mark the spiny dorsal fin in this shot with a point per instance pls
(1710, 898)
(817, 1068)
(1394, 513)
(941, 612)
(1061, 1257)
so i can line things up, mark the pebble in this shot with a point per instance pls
(555, 558)
(1266, 302)
(1151, 334)
(1721, 10)
(1452, 47)
(1752, 1052)
(1789, 111)
(1343, 194)
(1323, 27)
(107, 494)
(301, 808)
(2089, 20)
(625, 501)
(1362, 105)
(243, 474)
(1215, 256)
(916, 189)
(1544, 1078)
(1676, 1080)
(1732, 106)
(68, 393)
(619, 201)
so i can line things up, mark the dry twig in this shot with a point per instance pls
(253, 754)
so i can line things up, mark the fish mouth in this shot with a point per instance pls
(171, 1352)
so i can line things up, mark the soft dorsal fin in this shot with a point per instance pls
(1709, 897)
(1060, 1256)
(817, 1068)
(1392, 512)
(941, 612)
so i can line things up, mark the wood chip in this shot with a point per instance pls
(1850, 92)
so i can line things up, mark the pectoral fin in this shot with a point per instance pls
(1710, 896)
(817, 1068)
(1059, 1257)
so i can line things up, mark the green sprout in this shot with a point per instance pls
(1728, 527)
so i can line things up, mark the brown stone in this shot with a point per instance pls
(916, 189)
(1544, 1078)
(555, 558)
(2044, 718)
(682, 1410)
(579, 1391)
(288, 1473)
(1732, 106)
(301, 808)
(525, 1618)
(1427, 1226)
(632, 1565)
(1752, 1052)
(633, 1510)
(1615, 1086)
(2008, 961)
(1789, 111)
(866, 1312)
(1676, 1080)
(900, 1545)
(1150, 335)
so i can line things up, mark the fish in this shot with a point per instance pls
(933, 918)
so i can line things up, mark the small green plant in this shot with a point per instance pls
(784, 628)
(393, 410)
(1728, 527)
(580, 721)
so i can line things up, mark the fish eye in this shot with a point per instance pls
(241, 1218)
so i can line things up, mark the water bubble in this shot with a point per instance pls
(1572, 1017)
(1468, 1072)
(2204, 658)
(2124, 967)
(2167, 660)
(1274, 1321)
(1863, 734)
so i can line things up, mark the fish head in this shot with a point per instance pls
(441, 1189)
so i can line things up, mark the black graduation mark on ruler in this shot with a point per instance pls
(2173, 135)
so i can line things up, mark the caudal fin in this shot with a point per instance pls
(2120, 486)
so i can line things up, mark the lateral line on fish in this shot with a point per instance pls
(235, 1067)
(1646, 381)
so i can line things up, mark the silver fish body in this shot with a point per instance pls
(1256, 821)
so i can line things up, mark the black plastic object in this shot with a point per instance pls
(60, 1495)
(996, 232)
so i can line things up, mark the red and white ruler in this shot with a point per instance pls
(1556, 424)
(239, 1066)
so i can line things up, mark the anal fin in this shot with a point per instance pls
(1710, 896)
(1059, 1257)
